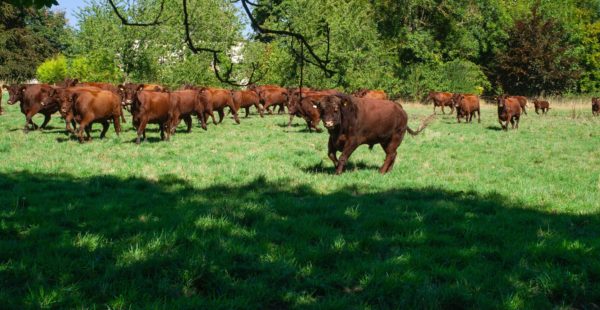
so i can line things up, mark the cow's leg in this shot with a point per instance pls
(331, 152)
(512, 122)
(281, 109)
(188, 122)
(70, 121)
(202, 120)
(247, 112)
(478, 116)
(233, 111)
(28, 121)
(434, 109)
(308, 124)
(349, 148)
(536, 111)
(46, 121)
(212, 115)
(451, 109)
(391, 151)
(122, 114)
(117, 124)
(524, 111)
(267, 107)
(141, 129)
(443, 112)
(221, 115)
(517, 118)
(105, 126)
(259, 109)
(175, 121)
(458, 117)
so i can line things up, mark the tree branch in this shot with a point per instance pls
(124, 21)
(321, 63)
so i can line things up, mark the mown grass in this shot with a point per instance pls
(250, 216)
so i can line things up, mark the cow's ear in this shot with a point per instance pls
(120, 87)
(140, 87)
(22, 88)
(75, 81)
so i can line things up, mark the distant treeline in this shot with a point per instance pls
(528, 47)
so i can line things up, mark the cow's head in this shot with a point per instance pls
(129, 92)
(68, 82)
(331, 109)
(596, 102)
(51, 97)
(456, 99)
(15, 92)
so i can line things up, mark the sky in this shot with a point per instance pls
(70, 7)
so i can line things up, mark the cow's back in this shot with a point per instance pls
(155, 105)
(470, 103)
(377, 118)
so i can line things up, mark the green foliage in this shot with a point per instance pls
(52, 70)
(27, 38)
(261, 222)
(538, 58)
(590, 78)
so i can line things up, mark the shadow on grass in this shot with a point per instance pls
(494, 128)
(68, 241)
(328, 167)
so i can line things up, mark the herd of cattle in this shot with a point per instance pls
(364, 117)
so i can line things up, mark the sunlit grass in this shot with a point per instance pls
(251, 216)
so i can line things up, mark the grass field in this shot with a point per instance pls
(251, 216)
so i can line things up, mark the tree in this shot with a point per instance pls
(52, 70)
(538, 57)
(28, 37)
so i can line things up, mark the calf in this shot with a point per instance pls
(372, 94)
(595, 106)
(185, 104)
(466, 106)
(30, 97)
(541, 105)
(90, 105)
(352, 122)
(509, 109)
(440, 99)
(245, 99)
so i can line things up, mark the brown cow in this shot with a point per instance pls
(185, 102)
(522, 103)
(306, 108)
(30, 97)
(595, 106)
(355, 121)
(58, 95)
(92, 105)
(466, 105)
(1, 111)
(372, 94)
(271, 95)
(509, 109)
(154, 107)
(541, 105)
(216, 99)
(440, 99)
(245, 99)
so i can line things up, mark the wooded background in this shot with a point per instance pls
(407, 48)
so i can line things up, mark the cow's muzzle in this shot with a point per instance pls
(329, 124)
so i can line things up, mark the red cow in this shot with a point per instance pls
(245, 99)
(522, 102)
(352, 122)
(90, 105)
(307, 107)
(509, 109)
(185, 102)
(271, 95)
(368, 93)
(541, 105)
(595, 106)
(441, 99)
(216, 99)
(58, 95)
(30, 97)
(466, 106)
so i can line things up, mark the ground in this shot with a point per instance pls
(251, 216)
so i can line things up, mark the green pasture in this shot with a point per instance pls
(251, 216)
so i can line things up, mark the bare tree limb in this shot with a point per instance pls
(124, 21)
(318, 61)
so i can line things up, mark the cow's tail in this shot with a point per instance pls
(423, 125)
